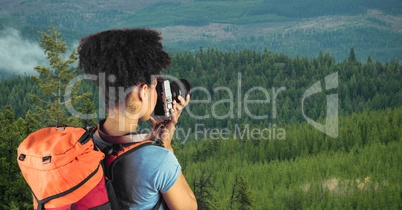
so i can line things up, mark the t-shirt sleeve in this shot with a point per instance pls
(168, 173)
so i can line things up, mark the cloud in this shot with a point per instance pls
(19, 55)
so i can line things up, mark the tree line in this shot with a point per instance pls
(369, 85)
(306, 169)
(237, 162)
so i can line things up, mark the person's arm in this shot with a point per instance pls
(180, 195)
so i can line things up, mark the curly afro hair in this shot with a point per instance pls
(129, 56)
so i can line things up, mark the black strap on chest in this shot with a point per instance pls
(118, 144)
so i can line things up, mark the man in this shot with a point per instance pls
(129, 59)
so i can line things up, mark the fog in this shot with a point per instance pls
(19, 55)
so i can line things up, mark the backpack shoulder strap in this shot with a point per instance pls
(122, 147)
(116, 152)
(128, 138)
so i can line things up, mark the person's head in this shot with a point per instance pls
(127, 59)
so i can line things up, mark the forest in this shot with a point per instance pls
(231, 156)
(363, 86)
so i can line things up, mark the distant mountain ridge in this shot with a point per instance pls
(10, 7)
(292, 27)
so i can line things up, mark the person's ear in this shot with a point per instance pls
(142, 92)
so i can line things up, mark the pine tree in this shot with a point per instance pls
(54, 82)
(241, 195)
(352, 55)
(204, 188)
(13, 189)
(31, 123)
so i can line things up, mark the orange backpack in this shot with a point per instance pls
(63, 168)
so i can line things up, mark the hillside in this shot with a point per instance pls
(291, 27)
(307, 170)
(278, 78)
(248, 139)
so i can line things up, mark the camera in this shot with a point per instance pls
(167, 92)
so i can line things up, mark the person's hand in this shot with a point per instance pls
(178, 108)
(165, 129)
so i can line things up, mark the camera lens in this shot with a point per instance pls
(180, 87)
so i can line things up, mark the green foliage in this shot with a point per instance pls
(55, 82)
(352, 56)
(370, 85)
(370, 35)
(294, 167)
(15, 92)
(241, 196)
(251, 11)
(13, 189)
(360, 169)
(362, 86)
(204, 189)
(4, 75)
(367, 41)
(311, 8)
(201, 13)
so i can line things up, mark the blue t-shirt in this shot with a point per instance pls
(145, 174)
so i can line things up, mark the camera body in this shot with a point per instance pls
(167, 92)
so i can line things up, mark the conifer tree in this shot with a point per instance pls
(31, 123)
(352, 55)
(204, 190)
(12, 187)
(54, 81)
(241, 195)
